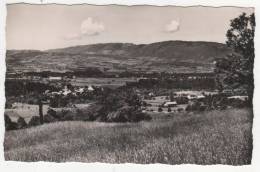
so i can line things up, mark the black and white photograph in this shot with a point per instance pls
(135, 84)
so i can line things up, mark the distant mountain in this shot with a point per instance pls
(168, 56)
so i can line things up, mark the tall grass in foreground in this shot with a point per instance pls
(205, 138)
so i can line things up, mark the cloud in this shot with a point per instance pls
(88, 27)
(172, 27)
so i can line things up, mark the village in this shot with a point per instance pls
(74, 98)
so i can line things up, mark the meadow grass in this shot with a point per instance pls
(215, 137)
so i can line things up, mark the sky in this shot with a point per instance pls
(53, 26)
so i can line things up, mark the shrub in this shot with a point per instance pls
(52, 113)
(21, 123)
(34, 121)
(49, 118)
(91, 113)
(32, 101)
(127, 114)
(9, 125)
(66, 115)
(8, 105)
(193, 106)
(196, 106)
(180, 109)
(219, 101)
(7, 119)
(54, 102)
(182, 100)
(238, 103)
(160, 109)
(83, 115)
(202, 107)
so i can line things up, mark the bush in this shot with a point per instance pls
(60, 114)
(127, 114)
(182, 100)
(84, 115)
(7, 119)
(8, 105)
(202, 107)
(91, 113)
(196, 106)
(216, 102)
(49, 118)
(9, 125)
(59, 101)
(21, 123)
(160, 109)
(180, 109)
(34, 121)
(32, 101)
(52, 113)
(67, 115)
(238, 103)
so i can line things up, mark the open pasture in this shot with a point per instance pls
(203, 138)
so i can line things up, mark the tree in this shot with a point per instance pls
(237, 68)
(171, 96)
(133, 99)
(40, 110)
(160, 109)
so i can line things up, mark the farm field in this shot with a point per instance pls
(102, 81)
(212, 137)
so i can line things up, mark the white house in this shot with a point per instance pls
(80, 90)
(242, 98)
(170, 104)
(55, 78)
(90, 88)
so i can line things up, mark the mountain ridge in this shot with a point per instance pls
(124, 56)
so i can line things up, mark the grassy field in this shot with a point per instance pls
(203, 138)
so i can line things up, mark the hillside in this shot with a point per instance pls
(212, 137)
(170, 56)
